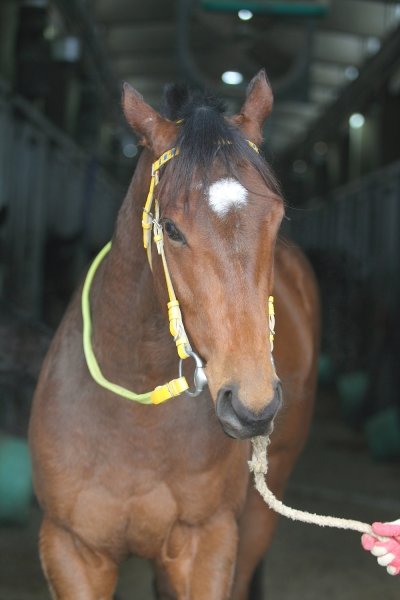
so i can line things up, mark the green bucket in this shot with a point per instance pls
(15, 480)
(352, 389)
(326, 371)
(383, 434)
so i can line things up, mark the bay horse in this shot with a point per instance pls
(169, 481)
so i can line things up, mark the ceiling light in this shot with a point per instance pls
(66, 49)
(299, 167)
(244, 14)
(50, 32)
(129, 150)
(232, 77)
(356, 121)
(373, 45)
(351, 72)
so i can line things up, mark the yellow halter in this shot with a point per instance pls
(174, 387)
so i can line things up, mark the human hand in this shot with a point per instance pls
(387, 547)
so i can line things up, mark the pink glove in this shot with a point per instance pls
(387, 550)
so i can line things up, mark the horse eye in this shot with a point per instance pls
(173, 232)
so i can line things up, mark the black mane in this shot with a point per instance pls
(206, 136)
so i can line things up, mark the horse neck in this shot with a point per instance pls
(127, 316)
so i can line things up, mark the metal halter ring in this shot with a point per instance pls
(200, 378)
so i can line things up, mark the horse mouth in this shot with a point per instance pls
(238, 431)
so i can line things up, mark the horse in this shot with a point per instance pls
(166, 477)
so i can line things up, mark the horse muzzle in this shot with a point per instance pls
(239, 421)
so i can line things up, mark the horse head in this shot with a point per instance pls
(220, 209)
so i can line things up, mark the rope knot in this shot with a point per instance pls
(258, 463)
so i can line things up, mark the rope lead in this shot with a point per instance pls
(259, 466)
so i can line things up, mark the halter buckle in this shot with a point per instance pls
(199, 378)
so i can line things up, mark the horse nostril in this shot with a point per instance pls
(225, 397)
(228, 395)
(272, 408)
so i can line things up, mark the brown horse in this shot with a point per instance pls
(171, 482)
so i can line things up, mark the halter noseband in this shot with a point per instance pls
(152, 227)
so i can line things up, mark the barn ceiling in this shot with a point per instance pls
(310, 50)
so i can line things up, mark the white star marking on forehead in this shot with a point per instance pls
(226, 194)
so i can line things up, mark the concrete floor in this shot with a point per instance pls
(334, 476)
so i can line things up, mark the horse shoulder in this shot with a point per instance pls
(296, 345)
(297, 311)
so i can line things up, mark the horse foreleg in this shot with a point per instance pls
(258, 524)
(74, 571)
(197, 563)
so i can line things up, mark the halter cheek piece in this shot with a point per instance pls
(153, 228)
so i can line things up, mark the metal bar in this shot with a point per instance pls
(36, 227)
(41, 175)
(281, 9)
(375, 71)
(78, 15)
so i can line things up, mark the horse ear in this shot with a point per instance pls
(155, 132)
(256, 108)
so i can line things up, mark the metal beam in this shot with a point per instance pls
(371, 77)
(327, 74)
(146, 65)
(292, 8)
(79, 17)
(133, 38)
(139, 37)
(121, 11)
(323, 95)
(304, 110)
(359, 17)
(343, 48)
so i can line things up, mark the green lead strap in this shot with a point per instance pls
(91, 361)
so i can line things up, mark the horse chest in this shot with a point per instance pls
(141, 521)
(136, 511)
(191, 500)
